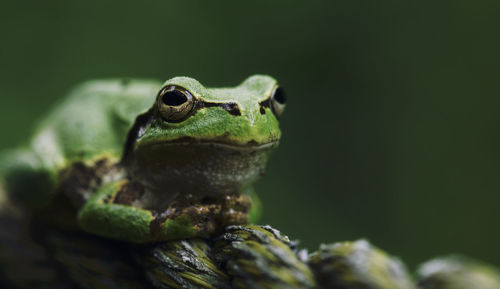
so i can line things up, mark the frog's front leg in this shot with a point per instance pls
(102, 216)
(125, 210)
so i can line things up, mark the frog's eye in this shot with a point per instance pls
(278, 101)
(175, 103)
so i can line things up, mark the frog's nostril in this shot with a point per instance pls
(174, 98)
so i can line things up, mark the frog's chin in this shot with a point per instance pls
(204, 168)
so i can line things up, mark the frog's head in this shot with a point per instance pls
(206, 140)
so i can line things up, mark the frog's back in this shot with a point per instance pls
(93, 121)
(89, 125)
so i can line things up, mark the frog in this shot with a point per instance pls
(143, 161)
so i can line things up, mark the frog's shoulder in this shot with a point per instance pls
(120, 97)
(93, 120)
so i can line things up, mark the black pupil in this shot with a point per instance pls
(174, 98)
(279, 95)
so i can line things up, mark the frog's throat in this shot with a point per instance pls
(201, 168)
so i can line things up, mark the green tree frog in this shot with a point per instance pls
(145, 162)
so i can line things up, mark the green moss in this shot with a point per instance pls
(180, 227)
(455, 272)
(358, 265)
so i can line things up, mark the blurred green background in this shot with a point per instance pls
(391, 132)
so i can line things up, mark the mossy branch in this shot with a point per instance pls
(261, 257)
(35, 254)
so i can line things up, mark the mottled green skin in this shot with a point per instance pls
(216, 123)
(92, 126)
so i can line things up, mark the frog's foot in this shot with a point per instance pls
(127, 211)
(206, 216)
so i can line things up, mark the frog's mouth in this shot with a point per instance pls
(223, 144)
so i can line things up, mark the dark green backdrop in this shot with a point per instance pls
(391, 132)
